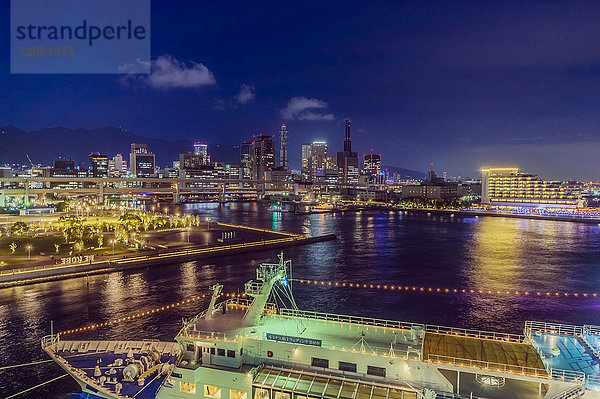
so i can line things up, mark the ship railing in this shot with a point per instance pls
(464, 332)
(591, 330)
(211, 335)
(576, 377)
(593, 382)
(49, 340)
(490, 367)
(414, 354)
(349, 319)
(532, 327)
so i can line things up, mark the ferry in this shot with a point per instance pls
(265, 347)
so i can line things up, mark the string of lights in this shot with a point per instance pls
(437, 290)
(144, 314)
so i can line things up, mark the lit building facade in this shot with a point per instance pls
(142, 162)
(245, 160)
(372, 164)
(283, 152)
(117, 166)
(201, 150)
(98, 165)
(347, 160)
(262, 156)
(507, 187)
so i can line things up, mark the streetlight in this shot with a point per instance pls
(188, 230)
(113, 243)
(29, 252)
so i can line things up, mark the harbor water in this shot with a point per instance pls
(373, 247)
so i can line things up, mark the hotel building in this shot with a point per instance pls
(509, 188)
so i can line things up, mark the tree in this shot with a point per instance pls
(57, 247)
(13, 247)
(72, 228)
(62, 206)
(19, 228)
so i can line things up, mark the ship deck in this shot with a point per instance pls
(482, 351)
(334, 334)
(80, 359)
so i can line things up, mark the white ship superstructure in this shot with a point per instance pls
(267, 348)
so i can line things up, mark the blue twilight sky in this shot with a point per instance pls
(460, 84)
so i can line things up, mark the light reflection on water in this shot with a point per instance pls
(383, 247)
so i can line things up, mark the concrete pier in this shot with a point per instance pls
(38, 274)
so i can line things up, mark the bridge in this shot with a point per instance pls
(64, 187)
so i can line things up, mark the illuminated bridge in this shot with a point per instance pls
(218, 189)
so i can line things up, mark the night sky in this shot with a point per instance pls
(463, 85)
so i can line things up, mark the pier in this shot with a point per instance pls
(78, 266)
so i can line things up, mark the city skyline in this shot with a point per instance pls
(480, 88)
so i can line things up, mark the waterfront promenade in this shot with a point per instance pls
(245, 239)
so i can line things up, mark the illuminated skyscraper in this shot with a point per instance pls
(141, 161)
(283, 153)
(372, 164)
(202, 151)
(245, 160)
(262, 156)
(98, 166)
(347, 160)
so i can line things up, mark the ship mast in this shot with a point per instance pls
(267, 275)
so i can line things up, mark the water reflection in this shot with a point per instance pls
(386, 247)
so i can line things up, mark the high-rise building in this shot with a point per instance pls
(262, 156)
(305, 156)
(201, 150)
(507, 187)
(372, 164)
(117, 166)
(347, 160)
(245, 160)
(283, 152)
(98, 165)
(190, 160)
(141, 161)
(314, 159)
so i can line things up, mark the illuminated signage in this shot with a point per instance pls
(294, 340)
(77, 259)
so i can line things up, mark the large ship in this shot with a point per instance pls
(265, 347)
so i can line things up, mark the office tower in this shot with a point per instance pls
(262, 156)
(305, 157)
(141, 161)
(201, 150)
(347, 160)
(98, 165)
(315, 160)
(190, 160)
(372, 164)
(245, 162)
(117, 166)
(283, 153)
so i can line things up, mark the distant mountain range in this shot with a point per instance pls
(47, 145)
(44, 146)
(405, 173)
